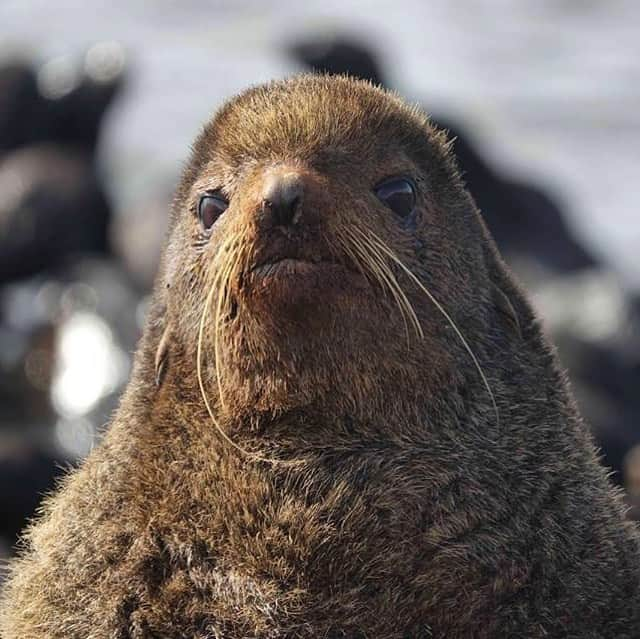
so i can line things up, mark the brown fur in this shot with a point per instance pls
(397, 502)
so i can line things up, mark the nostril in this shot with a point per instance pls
(282, 198)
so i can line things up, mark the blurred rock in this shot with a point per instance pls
(53, 206)
(52, 209)
(20, 105)
(64, 102)
(26, 475)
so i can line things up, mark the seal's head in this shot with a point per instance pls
(324, 249)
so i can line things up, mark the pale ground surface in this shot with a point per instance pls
(551, 88)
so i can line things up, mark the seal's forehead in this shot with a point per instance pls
(308, 116)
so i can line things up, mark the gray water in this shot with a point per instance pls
(550, 88)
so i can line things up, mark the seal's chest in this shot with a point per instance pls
(271, 588)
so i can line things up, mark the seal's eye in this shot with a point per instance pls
(210, 208)
(398, 194)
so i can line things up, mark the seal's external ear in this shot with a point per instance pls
(505, 308)
(162, 355)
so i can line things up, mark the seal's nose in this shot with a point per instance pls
(282, 198)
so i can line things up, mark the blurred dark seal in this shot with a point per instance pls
(53, 205)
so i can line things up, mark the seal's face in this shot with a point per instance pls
(289, 258)
(311, 212)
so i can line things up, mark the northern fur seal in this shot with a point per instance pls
(343, 419)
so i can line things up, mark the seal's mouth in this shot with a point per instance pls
(295, 275)
(290, 266)
(283, 258)
(290, 273)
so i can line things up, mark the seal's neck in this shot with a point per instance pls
(352, 527)
(373, 509)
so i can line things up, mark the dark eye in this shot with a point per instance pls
(398, 194)
(210, 208)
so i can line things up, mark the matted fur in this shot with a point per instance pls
(396, 500)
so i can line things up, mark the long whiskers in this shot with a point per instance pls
(221, 284)
(370, 239)
(369, 259)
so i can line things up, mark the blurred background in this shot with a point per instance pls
(100, 101)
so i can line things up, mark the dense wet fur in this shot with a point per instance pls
(398, 504)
